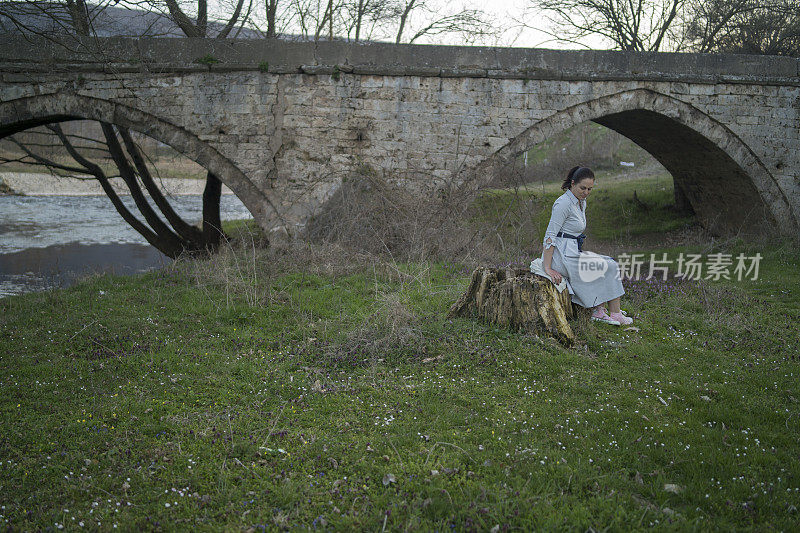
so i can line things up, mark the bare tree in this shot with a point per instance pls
(366, 18)
(311, 18)
(170, 234)
(637, 25)
(55, 19)
(419, 18)
(196, 28)
(90, 159)
(298, 11)
(401, 20)
(745, 26)
(50, 19)
(710, 18)
(271, 12)
(359, 10)
(327, 19)
(192, 18)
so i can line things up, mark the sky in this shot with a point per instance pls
(509, 13)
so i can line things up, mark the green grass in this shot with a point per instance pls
(241, 229)
(614, 213)
(234, 394)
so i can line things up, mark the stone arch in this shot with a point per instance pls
(728, 186)
(23, 113)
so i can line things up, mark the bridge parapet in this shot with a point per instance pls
(387, 59)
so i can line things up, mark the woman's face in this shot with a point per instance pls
(581, 189)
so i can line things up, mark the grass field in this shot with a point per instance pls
(300, 389)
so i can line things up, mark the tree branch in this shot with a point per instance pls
(41, 160)
(186, 231)
(128, 175)
(98, 173)
(232, 21)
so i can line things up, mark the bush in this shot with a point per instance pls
(371, 215)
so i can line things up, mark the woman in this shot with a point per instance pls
(593, 280)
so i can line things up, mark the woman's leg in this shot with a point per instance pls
(616, 314)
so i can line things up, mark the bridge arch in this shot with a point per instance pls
(24, 113)
(727, 185)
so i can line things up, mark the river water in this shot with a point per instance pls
(51, 241)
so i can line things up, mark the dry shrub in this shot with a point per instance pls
(239, 272)
(391, 330)
(371, 215)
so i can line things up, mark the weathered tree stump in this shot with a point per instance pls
(518, 299)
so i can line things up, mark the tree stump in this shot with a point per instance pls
(518, 299)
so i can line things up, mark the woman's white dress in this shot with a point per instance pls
(592, 279)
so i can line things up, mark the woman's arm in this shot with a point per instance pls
(557, 219)
(547, 259)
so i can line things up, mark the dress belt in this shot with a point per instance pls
(580, 238)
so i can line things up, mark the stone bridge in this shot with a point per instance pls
(284, 123)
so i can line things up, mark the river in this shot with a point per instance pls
(52, 241)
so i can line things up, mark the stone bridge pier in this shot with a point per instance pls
(284, 123)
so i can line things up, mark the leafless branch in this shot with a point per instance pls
(638, 25)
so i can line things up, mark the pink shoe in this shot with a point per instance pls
(600, 315)
(622, 319)
(603, 307)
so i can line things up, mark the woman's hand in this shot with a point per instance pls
(554, 275)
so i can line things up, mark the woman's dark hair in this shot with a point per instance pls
(576, 175)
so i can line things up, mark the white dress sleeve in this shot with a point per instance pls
(557, 219)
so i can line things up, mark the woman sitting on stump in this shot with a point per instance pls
(593, 279)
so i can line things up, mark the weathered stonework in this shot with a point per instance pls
(282, 136)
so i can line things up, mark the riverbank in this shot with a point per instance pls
(30, 184)
(50, 241)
